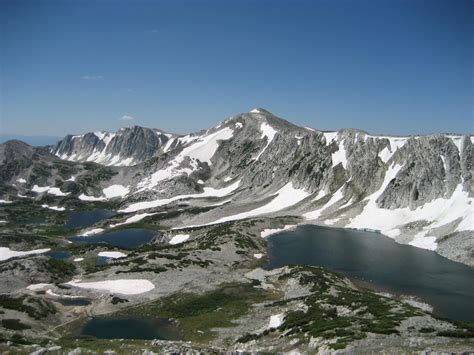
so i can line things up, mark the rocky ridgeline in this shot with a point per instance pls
(421, 186)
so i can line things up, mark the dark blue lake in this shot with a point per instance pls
(131, 328)
(126, 238)
(82, 219)
(446, 285)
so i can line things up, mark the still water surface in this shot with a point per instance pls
(446, 285)
(126, 238)
(82, 219)
(131, 328)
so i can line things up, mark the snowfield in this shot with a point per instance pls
(459, 207)
(285, 197)
(208, 192)
(340, 156)
(269, 132)
(115, 191)
(55, 208)
(179, 238)
(201, 148)
(90, 198)
(267, 232)
(38, 287)
(112, 254)
(275, 321)
(92, 232)
(7, 253)
(124, 286)
(50, 190)
(133, 219)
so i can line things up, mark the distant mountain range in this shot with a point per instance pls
(35, 141)
(417, 189)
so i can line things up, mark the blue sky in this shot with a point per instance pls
(394, 67)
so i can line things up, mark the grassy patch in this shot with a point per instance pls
(36, 308)
(198, 314)
(14, 324)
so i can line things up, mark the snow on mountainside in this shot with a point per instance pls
(128, 146)
(417, 190)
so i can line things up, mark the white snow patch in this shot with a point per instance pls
(440, 211)
(7, 253)
(5, 201)
(330, 136)
(208, 192)
(78, 259)
(423, 242)
(255, 110)
(168, 145)
(133, 219)
(55, 208)
(37, 287)
(90, 198)
(115, 191)
(275, 321)
(92, 232)
(112, 254)
(21, 181)
(457, 140)
(202, 148)
(51, 293)
(238, 125)
(285, 197)
(340, 156)
(258, 255)
(123, 286)
(269, 132)
(330, 222)
(200, 182)
(72, 178)
(395, 144)
(179, 238)
(267, 232)
(320, 195)
(50, 190)
(393, 233)
(228, 178)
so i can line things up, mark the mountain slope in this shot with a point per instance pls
(126, 147)
(418, 189)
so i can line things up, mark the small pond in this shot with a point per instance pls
(74, 301)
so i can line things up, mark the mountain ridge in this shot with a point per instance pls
(418, 188)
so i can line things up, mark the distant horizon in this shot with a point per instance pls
(395, 67)
(59, 137)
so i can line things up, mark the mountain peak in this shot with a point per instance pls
(260, 110)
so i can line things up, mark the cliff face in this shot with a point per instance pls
(126, 147)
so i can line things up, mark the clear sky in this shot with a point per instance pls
(394, 67)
